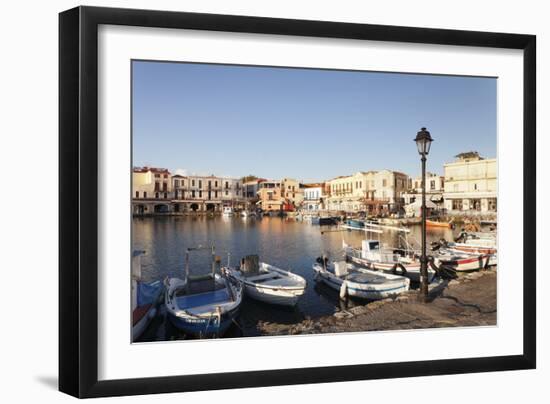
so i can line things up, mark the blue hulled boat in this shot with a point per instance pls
(203, 305)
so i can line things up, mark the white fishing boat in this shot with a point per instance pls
(394, 261)
(474, 244)
(227, 211)
(267, 283)
(463, 262)
(145, 298)
(247, 213)
(203, 305)
(351, 280)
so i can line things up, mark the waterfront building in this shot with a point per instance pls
(280, 195)
(314, 197)
(205, 193)
(434, 189)
(250, 191)
(471, 184)
(151, 190)
(269, 196)
(373, 192)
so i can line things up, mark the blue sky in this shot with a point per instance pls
(303, 123)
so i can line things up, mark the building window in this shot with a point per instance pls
(145, 194)
(432, 185)
(165, 195)
(200, 183)
(492, 204)
(216, 183)
(215, 194)
(457, 204)
(176, 183)
(157, 186)
(165, 187)
(475, 187)
(192, 183)
(226, 192)
(193, 194)
(157, 175)
(209, 184)
(200, 194)
(384, 183)
(226, 185)
(137, 194)
(156, 195)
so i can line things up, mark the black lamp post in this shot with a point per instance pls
(423, 141)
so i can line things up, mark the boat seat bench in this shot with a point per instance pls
(262, 277)
(202, 299)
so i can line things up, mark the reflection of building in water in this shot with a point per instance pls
(471, 184)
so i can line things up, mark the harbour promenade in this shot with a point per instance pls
(464, 302)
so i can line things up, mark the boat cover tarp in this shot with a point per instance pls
(367, 278)
(148, 292)
(203, 299)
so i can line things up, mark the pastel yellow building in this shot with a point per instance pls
(471, 184)
(371, 191)
(280, 195)
(151, 183)
(151, 190)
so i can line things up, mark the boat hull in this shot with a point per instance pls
(445, 225)
(268, 296)
(362, 291)
(204, 327)
(466, 264)
(139, 327)
(284, 295)
(412, 270)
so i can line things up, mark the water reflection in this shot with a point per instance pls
(288, 244)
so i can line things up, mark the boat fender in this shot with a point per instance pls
(343, 290)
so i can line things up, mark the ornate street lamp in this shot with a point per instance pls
(423, 141)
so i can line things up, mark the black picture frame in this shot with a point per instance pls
(78, 196)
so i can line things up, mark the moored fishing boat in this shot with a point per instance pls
(227, 211)
(327, 221)
(463, 262)
(247, 213)
(471, 243)
(267, 283)
(362, 283)
(434, 223)
(395, 261)
(202, 305)
(145, 298)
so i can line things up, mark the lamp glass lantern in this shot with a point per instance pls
(423, 141)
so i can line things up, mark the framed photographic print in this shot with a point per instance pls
(250, 201)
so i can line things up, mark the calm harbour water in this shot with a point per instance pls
(285, 243)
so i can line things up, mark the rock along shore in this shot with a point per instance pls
(468, 301)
